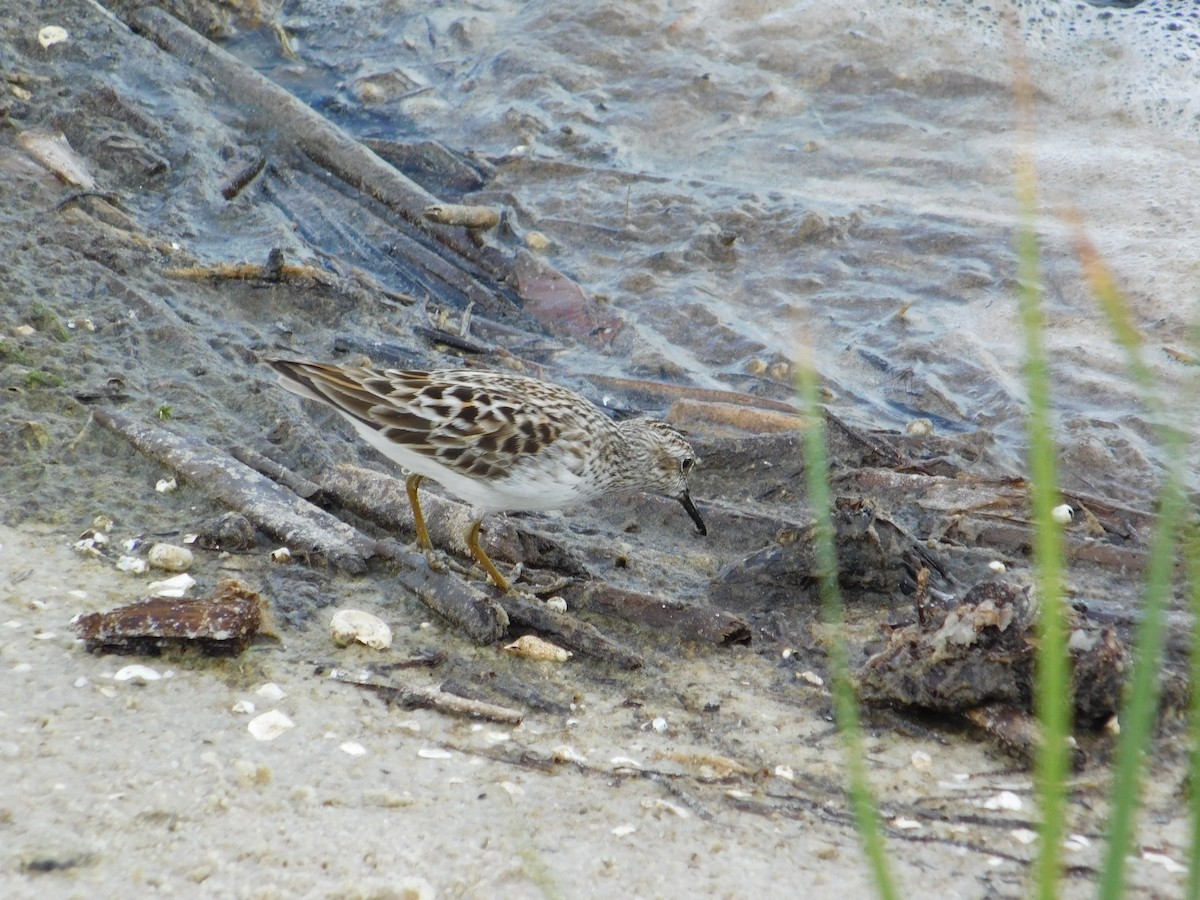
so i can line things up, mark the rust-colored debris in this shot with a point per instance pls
(220, 625)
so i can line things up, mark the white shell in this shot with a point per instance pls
(51, 35)
(170, 558)
(172, 587)
(530, 646)
(166, 485)
(269, 725)
(134, 564)
(139, 674)
(353, 625)
(271, 692)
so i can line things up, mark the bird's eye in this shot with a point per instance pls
(686, 464)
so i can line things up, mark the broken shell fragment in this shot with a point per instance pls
(269, 725)
(166, 485)
(53, 152)
(170, 558)
(134, 564)
(531, 646)
(137, 674)
(349, 626)
(221, 624)
(172, 587)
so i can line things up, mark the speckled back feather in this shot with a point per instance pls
(448, 416)
(497, 440)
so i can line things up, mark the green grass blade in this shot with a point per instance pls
(845, 701)
(1052, 699)
(1141, 705)
(1192, 560)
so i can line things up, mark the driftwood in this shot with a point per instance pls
(302, 525)
(576, 636)
(268, 505)
(661, 393)
(447, 259)
(479, 615)
(279, 113)
(381, 499)
(686, 621)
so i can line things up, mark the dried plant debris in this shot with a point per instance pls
(221, 625)
(982, 652)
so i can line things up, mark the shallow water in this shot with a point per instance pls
(747, 176)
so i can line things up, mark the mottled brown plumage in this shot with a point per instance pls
(499, 441)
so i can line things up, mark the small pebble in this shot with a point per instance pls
(170, 558)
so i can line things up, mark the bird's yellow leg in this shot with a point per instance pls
(483, 559)
(411, 485)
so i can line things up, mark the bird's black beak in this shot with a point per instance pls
(686, 501)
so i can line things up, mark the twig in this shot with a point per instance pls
(434, 698)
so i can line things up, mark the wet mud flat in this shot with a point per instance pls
(687, 741)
